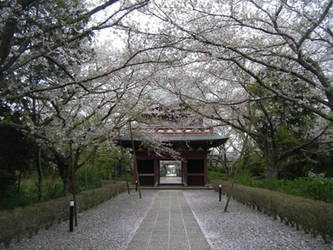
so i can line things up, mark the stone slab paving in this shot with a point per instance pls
(169, 224)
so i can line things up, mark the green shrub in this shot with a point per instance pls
(220, 170)
(245, 178)
(53, 191)
(29, 194)
(88, 178)
(312, 216)
(25, 221)
(314, 186)
(128, 176)
(215, 175)
(272, 184)
(26, 196)
(256, 165)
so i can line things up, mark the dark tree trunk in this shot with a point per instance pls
(19, 182)
(65, 173)
(272, 170)
(40, 173)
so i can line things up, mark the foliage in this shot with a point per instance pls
(127, 176)
(245, 178)
(256, 165)
(215, 175)
(268, 65)
(106, 167)
(48, 71)
(22, 222)
(312, 216)
(237, 67)
(88, 178)
(113, 162)
(16, 151)
(313, 186)
(29, 194)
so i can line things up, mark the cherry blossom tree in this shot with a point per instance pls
(71, 99)
(293, 39)
(45, 40)
(221, 52)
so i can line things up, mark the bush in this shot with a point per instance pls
(88, 178)
(313, 216)
(128, 176)
(15, 199)
(245, 178)
(256, 165)
(220, 170)
(314, 186)
(53, 191)
(271, 184)
(215, 175)
(29, 194)
(24, 221)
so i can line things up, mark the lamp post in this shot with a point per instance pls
(71, 216)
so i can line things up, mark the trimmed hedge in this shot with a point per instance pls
(315, 217)
(27, 221)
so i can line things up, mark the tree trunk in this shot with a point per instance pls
(18, 190)
(40, 173)
(65, 174)
(271, 168)
(127, 185)
(135, 162)
(225, 161)
(86, 177)
(38, 155)
(237, 164)
(120, 166)
(271, 164)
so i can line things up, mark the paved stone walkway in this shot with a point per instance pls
(169, 224)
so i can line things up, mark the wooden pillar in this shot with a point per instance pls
(185, 172)
(205, 170)
(156, 172)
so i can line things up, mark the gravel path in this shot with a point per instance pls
(244, 228)
(111, 225)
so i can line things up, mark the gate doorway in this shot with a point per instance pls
(170, 173)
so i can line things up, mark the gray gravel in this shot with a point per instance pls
(113, 224)
(110, 225)
(244, 228)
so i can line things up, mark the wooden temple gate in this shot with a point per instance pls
(193, 151)
(191, 142)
